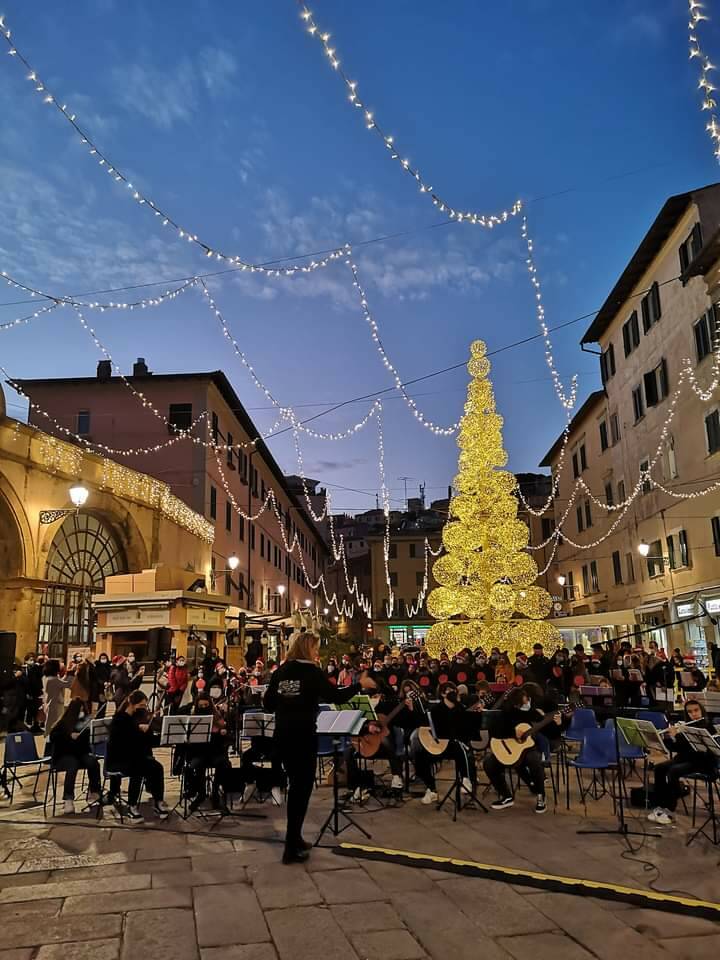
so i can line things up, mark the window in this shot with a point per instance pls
(570, 585)
(576, 468)
(252, 535)
(419, 578)
(179, 417)
(684, 548)
(243, 466)
(594, 582)
(548, 525)
(690, 247)
(630, 567)
(671, 552)
(656, 384)
(580, 521)
(621, 491)
(241, 527)
(228, 516)
(83, 423)
(650, 307)
(215, 428)
(614, 428)
(655, 563)
(638, 406)
(253, 481)
(617, 568)
(229, 452)
(609, 500)
(213, 502)
(607, 363)
(645, 474)
(588, 514)
(393, 579)
(586, 580)
(715, 523)
(712, 431)
(670, 471)
(631, 334)
(705, 330)
(583, 458)
(411, 549)
(393, 551)
(228, 585)
(603, 435)
(262, 545)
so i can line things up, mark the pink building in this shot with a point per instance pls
(267, 580)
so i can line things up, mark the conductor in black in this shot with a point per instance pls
(293, 694)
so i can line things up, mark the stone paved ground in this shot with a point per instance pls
(73, 889)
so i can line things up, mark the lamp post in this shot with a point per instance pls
(78, 498)
(281, 591)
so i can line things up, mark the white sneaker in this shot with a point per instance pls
(277, 795)
(467, 785)
(68, 808)
(396, 783)
(360, 795)
(248, 792)
(430, 797)
(93, 798)
(162, 810)
(133, 815)
(658, 815)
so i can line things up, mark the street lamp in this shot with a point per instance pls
(643, 548)
(562, 580)
(233, 562)
(325, 611)
(78, 498)
(79, 495)
(308, 604)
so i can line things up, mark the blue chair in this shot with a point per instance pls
(582, 719)
(598, 753)
(656, 718)
(21, 752)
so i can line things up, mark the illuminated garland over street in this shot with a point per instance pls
(368, 118)
(706, 67)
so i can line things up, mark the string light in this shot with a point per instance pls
(375, 333)
(19, 321)
(393, 151)
(117, 175)
(709, 104)
(567, 400)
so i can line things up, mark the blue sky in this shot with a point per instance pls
(229, 116)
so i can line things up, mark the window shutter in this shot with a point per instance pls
(635, 329)
(684, 260)
(656, 311)
(611, 360)
(696, 240)
(645, 307)
(603, 367)
(664, 386)
(651, 395)
(627, 346)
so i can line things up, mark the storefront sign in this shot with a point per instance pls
(685, 610)
(712, 606)
(205, 617)
(137, 616)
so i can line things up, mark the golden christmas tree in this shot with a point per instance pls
(487, 595)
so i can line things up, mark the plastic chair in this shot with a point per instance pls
(582, 719)
(656, 718)
(20, 752)
(598, 753)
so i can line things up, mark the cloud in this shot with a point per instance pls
(217, 68)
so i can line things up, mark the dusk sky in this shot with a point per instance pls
(228, 115)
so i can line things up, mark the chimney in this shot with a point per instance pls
(140, 368)
(104, 370)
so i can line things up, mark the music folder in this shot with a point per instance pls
(642, 733)
(701, 740)
(340, 723)
(361, 702)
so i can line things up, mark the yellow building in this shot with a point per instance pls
(54, 558)
(656, 332)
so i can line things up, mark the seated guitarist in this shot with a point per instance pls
(517, 709)
(449, 721)
(388, 750)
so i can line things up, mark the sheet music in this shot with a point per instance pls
(258, 725)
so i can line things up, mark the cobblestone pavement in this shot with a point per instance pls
(76, 888)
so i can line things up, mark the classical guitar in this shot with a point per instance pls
(509, 751)
(368, 744)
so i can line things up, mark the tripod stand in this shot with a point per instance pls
(456, 791)
(332, 823)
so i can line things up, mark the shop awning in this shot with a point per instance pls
(586, 621)
(652, 606)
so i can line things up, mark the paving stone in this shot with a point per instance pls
(132, 900)
(654, 923)
(129, 868)
(503, 912)
(33, 848)
(544, 946)
(278, 886)
(688, 948)
(199, 878)
(307, 933)
(347, 886)
(228, 914)
(95, 950)
(394, 878)
(24, 879)
(63, 929)
(71, 862)
(443, 930)
(244, 857)
(39, 909)
(323, 859)
(8, 867)
(238, 951)
(72, 888)
(387, 945)
(19, 954)
(160, 935)
(361, 917)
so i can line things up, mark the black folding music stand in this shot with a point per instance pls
(182, 730)
(703, 742)
(339, 724)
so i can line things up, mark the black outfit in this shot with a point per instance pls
(686, 761)
(102, 677)
(73, 755)
(129, 752)
(530, 768)
(449, 723)
(254, 653)
(538, 669)
(34, 690)
(295, 690)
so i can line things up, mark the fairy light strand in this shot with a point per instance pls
(709, 103)
(393, 151)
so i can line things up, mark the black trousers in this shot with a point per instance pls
(456, 750)
(530, 770)
(71, 764)
(298, 756)
(147, 769)
(669, 774)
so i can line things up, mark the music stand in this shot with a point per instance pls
(339, 724)
(182, 730)
(702, 741)
(458, 788)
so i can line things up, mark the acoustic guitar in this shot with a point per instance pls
(509, 751)
(368, 744)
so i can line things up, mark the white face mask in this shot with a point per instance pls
(525, 707)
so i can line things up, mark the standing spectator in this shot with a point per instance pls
(84, 683)
(254, 652)
(102, 676)
(538, 666)
(34, 691)
(178, 680)
(54, 687)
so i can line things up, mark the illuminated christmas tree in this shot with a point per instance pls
(487, 595)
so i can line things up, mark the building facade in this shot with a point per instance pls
(648, 437)
(54, 559)
(250, 564)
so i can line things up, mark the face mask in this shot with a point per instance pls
(103, 660)
(181, 663)
(525, 707)
(451, 695)
(331, 669)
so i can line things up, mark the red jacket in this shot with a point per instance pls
(178, 679)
